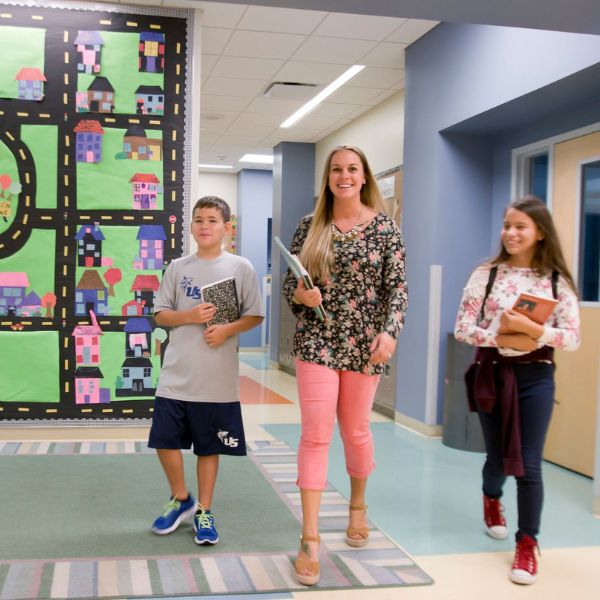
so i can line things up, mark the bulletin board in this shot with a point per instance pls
(92, 200)
(390, 186)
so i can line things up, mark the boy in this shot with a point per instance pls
(197, 400)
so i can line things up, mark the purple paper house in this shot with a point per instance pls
(12, 292)
(91, 294)
(87, 342)
(152, 52)
(88, 141)
(152, 245)
(145, 190)
(138, 337)
(87, 386)
(89, 246)
(89, 44)
(31, 306)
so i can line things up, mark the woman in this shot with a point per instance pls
(511, 383)
(355, 256)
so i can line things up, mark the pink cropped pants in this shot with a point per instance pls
(325, 393)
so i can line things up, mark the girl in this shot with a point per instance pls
(511, 382)
(355, 256)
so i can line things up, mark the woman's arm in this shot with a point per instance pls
(395, 285)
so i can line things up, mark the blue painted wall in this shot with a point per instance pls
(467, 87)
(255, 207)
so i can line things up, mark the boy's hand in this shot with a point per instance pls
(202, 313)
(215, 335)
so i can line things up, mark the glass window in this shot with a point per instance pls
(589, 234)
(538, 176)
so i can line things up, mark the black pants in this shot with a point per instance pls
(535, 383)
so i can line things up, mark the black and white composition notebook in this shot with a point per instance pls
(223, 294)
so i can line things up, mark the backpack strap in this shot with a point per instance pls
(488, 289)
(554, 284)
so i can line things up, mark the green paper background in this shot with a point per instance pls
(29, 366)
(42, 141)
(36, 258)
(19, 47)
(105, 185)
(119, 64)
(8, 166)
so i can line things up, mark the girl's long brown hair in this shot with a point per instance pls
(548, 254)
(317, 252)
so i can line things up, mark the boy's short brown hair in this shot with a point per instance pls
(214, 202)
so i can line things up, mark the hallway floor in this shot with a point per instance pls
(425, 496)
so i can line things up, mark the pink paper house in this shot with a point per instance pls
(87, 342)
(87, 386)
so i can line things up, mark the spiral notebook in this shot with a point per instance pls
(223, 294)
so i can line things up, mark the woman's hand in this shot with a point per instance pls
(310, 298)
(512, 321)
(382, 347)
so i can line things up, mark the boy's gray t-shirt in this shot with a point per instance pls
(193, 371)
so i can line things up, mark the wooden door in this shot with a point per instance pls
(571, 439)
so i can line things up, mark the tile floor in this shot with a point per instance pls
(426, 497)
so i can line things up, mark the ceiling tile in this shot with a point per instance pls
(250, 68)
(332, 50)
(211, 102)
(358, 27)
(379, 78)
(412, 30)
(269, 106)
(219, 14)
(207, 62)
(266, 119)
(349, 94)
(226, 86)
(281, 20)
(246, 129)
(214, 39)
(334, 109)
(257, 44)
(386, 54)
(310, 72)
(384, 95)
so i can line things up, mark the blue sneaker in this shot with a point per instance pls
(174, 512)
(204, 524)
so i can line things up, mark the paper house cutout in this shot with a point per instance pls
(101, 96)
(88, 141)
(31, 306)
(136, 374)
(139, 147)
(145, 190)
(87, 342)
(138, 337)
(87, 386)
(152, 246)
(149, 100)
(133, 308)
(31, 83)
(13, 286)
(144, 288)
(91, 294)
(89, 44)
(152, 52)
(89, 246)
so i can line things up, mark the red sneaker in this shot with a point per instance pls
(495, 523)
(524, 568)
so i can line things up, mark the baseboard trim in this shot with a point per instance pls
(432, 431)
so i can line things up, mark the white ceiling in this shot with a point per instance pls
(246, 47)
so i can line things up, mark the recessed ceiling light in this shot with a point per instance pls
(332, 87)
(202, 166)
(263, 159)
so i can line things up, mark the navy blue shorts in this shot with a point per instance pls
(212, 427)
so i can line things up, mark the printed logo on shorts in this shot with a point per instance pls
(227, 440)
(191, 291)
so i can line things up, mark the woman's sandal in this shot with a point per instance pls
(305, 563)
(357, 536)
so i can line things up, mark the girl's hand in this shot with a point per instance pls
(382, 347)
(310, 298)
(513, 321)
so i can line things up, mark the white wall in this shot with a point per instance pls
(223, 185)
(379, 133)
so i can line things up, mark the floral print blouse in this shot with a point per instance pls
(365, 295)
(560, 331)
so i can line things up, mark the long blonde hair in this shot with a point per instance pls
(317, 252)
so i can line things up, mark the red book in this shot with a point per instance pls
(537, 308)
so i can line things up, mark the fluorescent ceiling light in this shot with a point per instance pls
(215, 166)
(332, 87)
(265, 159)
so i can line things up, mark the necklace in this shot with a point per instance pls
(351, 234)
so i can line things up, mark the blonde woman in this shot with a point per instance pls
(355, 255)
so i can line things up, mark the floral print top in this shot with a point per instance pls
(365, 295)
(560, 331)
